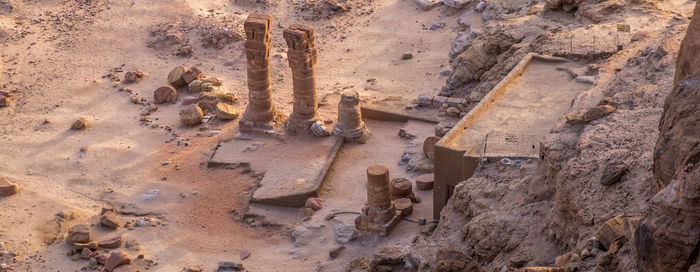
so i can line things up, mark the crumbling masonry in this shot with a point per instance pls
(260, 114)
(378, 215)
(302, 59)
(350, 124)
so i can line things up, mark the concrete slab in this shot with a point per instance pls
(294, 165)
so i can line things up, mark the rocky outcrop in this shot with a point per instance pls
(679, 141)
(668, 236)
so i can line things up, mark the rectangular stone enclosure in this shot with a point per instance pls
(509, 122)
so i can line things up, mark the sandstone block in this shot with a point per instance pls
(111, 242)
(117, 259)
(79, 234)
(110, 220)
(191, 115)
(175, 76)
(425, 182)
(225, 111)
(165, 93)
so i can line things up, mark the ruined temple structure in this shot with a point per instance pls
(302, 59)
(350, 124)
(378, 215)
(260, 114)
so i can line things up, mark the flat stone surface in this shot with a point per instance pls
(294, 166)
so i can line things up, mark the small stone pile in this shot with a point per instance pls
(211, 96)
(133, 76)
(101, 253)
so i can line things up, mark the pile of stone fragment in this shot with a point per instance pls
(208, 96)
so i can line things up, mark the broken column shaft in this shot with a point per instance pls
(378, 215)
(260, 114)
(302, 59)
(350, 124)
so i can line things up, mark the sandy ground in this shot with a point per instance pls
(54, 63)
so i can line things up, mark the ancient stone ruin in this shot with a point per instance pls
(350, 124)
(260, 114)
(302, 59)
(378, 215)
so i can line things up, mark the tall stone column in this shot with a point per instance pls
(302, 59)
(260, 114)
(378, 215)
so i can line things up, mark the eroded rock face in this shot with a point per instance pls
(668, 236)
(678, 143)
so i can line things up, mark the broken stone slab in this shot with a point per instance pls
(86, 254)
(7, 188)
(79, 233)
(117, 259)
(294, 170)
(111, 242)
(192, 74)
(110, 220)
(612, 173)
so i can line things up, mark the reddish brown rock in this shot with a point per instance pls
(79, 234)
(175, 76)
(81, 123)
(116, 259)
(400, 188)
(404, 205)
(165, 93)
(192, 74)
(110, 220)
(313, 203)
(425, 182)
(7, 188)
(111, 242)
(130, 77)
(612, 173)
(86, 254)
(101, 258)
(617, 228)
